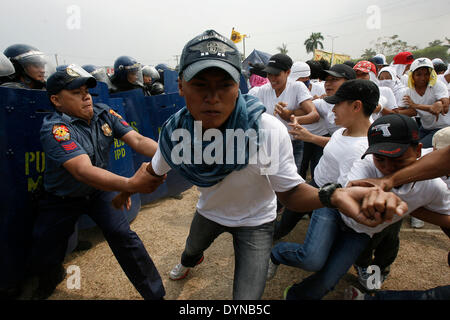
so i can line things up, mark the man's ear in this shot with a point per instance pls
(55, 100)
(180, 87)
(357, 105)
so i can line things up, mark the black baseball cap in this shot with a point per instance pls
(341, 71)
(391, 135)
(69, 78)
(277, 63)
(207, 50)
(364, 90)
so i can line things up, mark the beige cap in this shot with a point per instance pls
(441, 138)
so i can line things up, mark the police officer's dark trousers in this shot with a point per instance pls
(55, 223)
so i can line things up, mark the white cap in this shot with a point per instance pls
(441, 138)
(421, 62)
(437, 60)
(299, 69)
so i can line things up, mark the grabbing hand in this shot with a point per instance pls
(384, 183)
(282, 110)
(143, 181)
(299, 132)
(121, 200)
(368, 206)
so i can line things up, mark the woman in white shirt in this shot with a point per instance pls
(428, 99)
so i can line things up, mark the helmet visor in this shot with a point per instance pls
(36, 65)
(134, 74)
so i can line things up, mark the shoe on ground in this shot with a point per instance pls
(363, 276)
(272, 270)
(180, 272)
(352, 293)
(48, 282)
(416, 223)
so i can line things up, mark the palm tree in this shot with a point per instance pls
(313, 42)
(283, 49)
(368, 53)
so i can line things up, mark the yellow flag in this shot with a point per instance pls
(236, 36)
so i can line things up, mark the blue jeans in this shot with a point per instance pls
(426, 137)
(289, 220)
(297, 148)
(311, 157)
(251, 249)
(438, 293)
(330, 248)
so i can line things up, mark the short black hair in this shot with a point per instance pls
(316, 70)
(440, 67)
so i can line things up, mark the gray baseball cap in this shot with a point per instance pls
(210, 49)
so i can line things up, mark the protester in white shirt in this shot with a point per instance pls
(301, 72)
(401, 64)
(284, 98)
(388, 78)
(428, 98)
(367, 70)
(353, 103)
(235, 197)
(393, 139)
(335, 77)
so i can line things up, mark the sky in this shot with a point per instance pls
(99, 31)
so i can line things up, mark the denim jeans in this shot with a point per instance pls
(384, 248)
(289, 220)
(297, 148)
(438, 293)
(311, 156)
(330, 248)
(251, 249)
(426, 137)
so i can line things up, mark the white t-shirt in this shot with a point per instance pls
(432, 194)
(338, 157)
(387, 100)
(246, 197)
(294, 94)
(325, 111)
(317, 88)
(253, 91)
(431, 95)
(441, 77)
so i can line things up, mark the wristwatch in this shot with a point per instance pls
(325, 193)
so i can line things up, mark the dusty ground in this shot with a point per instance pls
(164, 225)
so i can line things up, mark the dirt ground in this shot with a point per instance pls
(164, 225)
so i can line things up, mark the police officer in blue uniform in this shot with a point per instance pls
(127, 75)
(76, 140)
(31, 67)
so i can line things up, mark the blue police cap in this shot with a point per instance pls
(69, 78)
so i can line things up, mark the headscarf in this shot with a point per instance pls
(431, 82)
(257, 81)
(246, 115)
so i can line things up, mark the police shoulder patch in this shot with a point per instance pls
(115, 113)
(61, 133)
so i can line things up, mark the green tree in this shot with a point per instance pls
(314, 42)
(283, 49)
(433, 52)
(435, 43)
(368, 53)
(392, 45)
